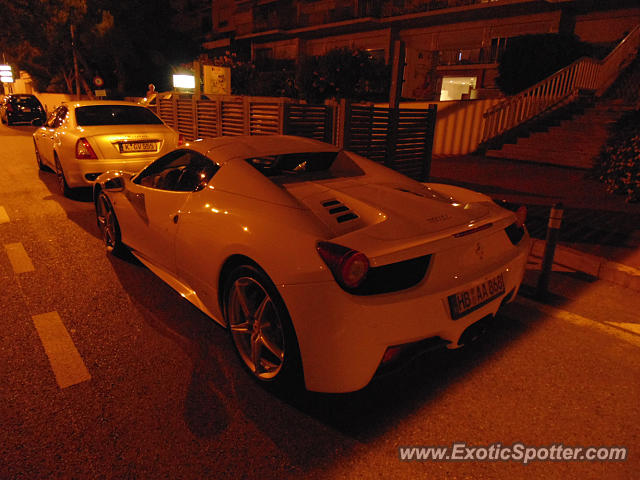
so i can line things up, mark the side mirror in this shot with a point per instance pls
(115, 184)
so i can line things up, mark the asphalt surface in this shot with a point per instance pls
(166, 397)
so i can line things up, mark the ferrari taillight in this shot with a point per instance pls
(84, 150)
(349, 267)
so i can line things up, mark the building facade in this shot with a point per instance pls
(451, 47)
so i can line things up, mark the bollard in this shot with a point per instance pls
(553, 229)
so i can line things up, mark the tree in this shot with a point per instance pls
(137, 43)
(127, 43)
(618, 164)
(37, 38)
(530, 58)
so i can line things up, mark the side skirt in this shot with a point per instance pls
(177, 285)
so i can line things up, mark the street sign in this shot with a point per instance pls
(217, 80)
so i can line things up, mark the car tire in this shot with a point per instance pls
(108, 224)
(260, 328)
(63, 187)
(41, 165)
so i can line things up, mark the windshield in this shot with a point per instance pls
(115, 115)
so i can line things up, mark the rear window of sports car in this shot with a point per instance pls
(301, 167)
(115, 115)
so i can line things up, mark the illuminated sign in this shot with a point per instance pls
(6, 76)
(184, 81)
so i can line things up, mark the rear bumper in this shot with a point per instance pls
(343, 337)
(23, 117)
(82, 173)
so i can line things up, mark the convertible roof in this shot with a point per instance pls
(230, 147)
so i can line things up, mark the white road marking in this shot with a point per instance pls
(19, 258)
(631, 327)
(66, 363)
(4, 218)
(608, 327)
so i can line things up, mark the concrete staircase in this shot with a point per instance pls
(572, 136)
(571, 142)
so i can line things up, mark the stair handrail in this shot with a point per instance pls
(561, 87)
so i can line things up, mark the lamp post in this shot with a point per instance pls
(75, 61)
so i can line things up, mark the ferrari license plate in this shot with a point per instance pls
(475, 297)
(138, 147)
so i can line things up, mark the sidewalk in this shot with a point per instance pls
(600, 234)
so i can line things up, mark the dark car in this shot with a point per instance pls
(21, 108)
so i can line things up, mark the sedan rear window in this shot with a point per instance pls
(115, 115)
(26, 101)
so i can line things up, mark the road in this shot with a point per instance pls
(107, 373)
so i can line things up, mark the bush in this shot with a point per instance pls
(618, 164)
(530, 58)
(343, 73)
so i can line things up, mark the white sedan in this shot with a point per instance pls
(324, 266)
(80, 140)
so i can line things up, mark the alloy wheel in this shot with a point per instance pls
(107, 222)
(62, 182)
(256, 328)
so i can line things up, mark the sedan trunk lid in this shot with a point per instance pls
(126, 141)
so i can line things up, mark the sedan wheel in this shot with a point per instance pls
(62, 181)
(108, 224)
(260, 327)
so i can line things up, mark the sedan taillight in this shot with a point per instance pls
(349, 267)
(84, 150)
(181, 139)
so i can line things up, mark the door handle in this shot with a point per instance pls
(175, 218)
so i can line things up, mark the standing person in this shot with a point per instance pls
(151, 91)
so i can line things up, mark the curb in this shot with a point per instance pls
(592, 265)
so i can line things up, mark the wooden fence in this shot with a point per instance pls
(399, 138)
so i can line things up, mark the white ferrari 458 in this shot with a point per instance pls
(325, 267)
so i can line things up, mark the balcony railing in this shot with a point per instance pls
(561, 88)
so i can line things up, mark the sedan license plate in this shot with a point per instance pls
(466, 301)
(138, 147)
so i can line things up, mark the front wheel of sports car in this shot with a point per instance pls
(260, 328)
(108, 224)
